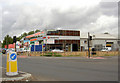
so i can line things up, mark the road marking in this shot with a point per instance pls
(97, 58)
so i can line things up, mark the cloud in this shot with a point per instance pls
(109, 8)
(104, 23)
(22, 16)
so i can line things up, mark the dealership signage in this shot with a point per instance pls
(49, 41)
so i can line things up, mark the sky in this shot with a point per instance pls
(94, 16)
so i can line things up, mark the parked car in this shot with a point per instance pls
(22, 50)
(57, 50)
(10, 50)
(105, 49)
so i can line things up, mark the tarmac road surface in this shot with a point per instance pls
(69, 68)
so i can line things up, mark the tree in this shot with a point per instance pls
(7, 40)
(37, 31)
(21, 36)
(106, 33)
(31, 32)
(24, 34)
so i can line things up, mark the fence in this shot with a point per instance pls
(84, 53)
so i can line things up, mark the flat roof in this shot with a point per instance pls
(63, 29)
(98, 36)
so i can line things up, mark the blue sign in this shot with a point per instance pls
(13, 56)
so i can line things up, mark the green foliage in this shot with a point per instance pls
(31, 32)
(109, 55)
(7, 40)
(21, 36)
(24, 34)
(37, 31)
(50, 54)
(57, 55)
(40, 54)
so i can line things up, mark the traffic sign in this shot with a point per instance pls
(11, 67)
(13, 56)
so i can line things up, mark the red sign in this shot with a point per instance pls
(33, 39)
(36, 34)
(10, 46)
(44, 37)
(48, 37)
(42, 32)
(29, 36)
(5, 46)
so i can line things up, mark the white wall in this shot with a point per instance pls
(85, 45)
(94, 42)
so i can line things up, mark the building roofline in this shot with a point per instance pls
(63, 29)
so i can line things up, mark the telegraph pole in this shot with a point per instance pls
(88, 45)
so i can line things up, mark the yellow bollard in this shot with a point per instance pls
(12, 68)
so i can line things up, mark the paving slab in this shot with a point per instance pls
(22, 76)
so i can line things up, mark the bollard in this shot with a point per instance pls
(12, 68)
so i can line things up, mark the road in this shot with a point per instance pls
(69, 68)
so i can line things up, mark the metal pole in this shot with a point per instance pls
(6, 43)
(80, 44)
(88, 45)
(15, 46)
(28, 49)
(46, 43)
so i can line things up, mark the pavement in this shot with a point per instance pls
(22, 76)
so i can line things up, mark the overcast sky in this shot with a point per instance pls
(20, 16)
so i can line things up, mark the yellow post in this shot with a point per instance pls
(12, 68)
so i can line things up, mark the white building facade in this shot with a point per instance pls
(99, 41)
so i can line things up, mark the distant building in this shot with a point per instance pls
(99, 41)
(71, 40)
(67, 40)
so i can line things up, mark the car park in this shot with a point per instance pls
(21, 50)
(57, 50)
(105, 49)
(10, 50)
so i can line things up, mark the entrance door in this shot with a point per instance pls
(82, 48)
(75, 47)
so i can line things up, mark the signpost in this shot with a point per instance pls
(12, 68)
